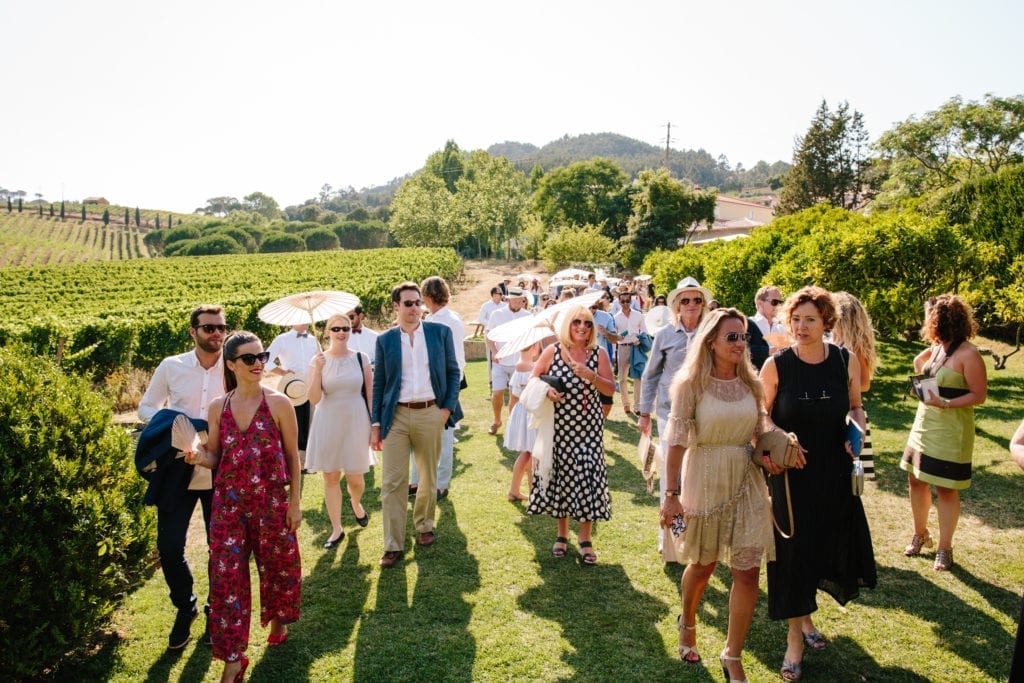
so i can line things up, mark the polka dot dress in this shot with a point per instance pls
(578, 487)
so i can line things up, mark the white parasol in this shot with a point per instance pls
(657, 318)
(540, 326)
(540, 331)
(586, 300)
(307, 307)
(506, 332)
(571, 274)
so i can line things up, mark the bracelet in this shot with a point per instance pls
(857, 407)
(671, 492)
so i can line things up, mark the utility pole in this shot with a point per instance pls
(668, 138)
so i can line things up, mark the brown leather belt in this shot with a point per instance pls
(418, 405)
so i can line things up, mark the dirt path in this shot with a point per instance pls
(478, 278)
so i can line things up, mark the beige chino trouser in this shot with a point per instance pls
(418, 431)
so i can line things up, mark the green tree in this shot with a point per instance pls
(158, 221)
(956, 143)
(577, 244)
(449, 164)
(9, 206)
(262, 204)
(106, 216)
(40, 210)
(585, 192)
(277, 242)
(830, 162)
(491, 201)
(219, 206)
(62, 209)
(51, 210)
(170, 221)
(83, 212)
(138, 218)
(19, 204)
(665, 213)
(320, 239)
(421, 213)
(126, 217)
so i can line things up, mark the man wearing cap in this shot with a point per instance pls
(762, 326)
(291, 353)
(186, 383)
(362, 338)
(502, 370)
(687, 303)
(630, 323)
(415, 396)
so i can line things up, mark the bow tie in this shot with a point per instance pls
(355, 331)
(300, 335)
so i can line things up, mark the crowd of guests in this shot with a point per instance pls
(717, 383)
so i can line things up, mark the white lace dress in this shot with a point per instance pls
(724, 496)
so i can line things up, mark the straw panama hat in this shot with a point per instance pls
(687, 284)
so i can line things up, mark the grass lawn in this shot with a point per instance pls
(488, 601)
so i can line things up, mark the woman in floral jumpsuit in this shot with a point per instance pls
(253, 446)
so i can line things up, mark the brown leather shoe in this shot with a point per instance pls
(426, 538)
(391, 558)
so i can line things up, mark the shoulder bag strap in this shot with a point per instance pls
(362, 380)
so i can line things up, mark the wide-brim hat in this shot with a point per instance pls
(514, 292)
(292, 386)
(687, 284)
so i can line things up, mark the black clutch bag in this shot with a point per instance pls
(555, 383)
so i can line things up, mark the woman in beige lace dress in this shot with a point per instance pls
(716, 413)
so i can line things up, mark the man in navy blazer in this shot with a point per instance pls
(415, 395)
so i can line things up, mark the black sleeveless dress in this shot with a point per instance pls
(831, 547)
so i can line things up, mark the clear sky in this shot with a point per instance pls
(166, 104)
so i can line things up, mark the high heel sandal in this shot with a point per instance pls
(685, 651)
(722, 659)
(240, 676)
(918, 541)
(943, 560)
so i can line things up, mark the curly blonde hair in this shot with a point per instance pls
(854, 331)
(694, 376)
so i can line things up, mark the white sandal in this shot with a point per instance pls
(685, 650)
(723, 658)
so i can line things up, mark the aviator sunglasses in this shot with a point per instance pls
(210, 329)
(685, 301)
(586, 323)
(340, 328)
(774, 302)
(251, 358)
(733, 337)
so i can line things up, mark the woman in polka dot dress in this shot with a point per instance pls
(578, 483)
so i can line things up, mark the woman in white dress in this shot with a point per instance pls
(340, 386)
(717, 410)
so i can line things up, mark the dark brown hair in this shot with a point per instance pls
(950, 319)
(193, 319)
(231, 344)
(821, 299)
(396, 291)
(436, 289)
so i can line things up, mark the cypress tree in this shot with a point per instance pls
(83, 212)
(170, 221)
(126, 218)
(138, 218)
(9, 207)
(19, 204)
(51, 210)
(62, 209)
(106, 217)
(40, 210)
(158, 221)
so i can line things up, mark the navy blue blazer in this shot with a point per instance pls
(169, 479)
(387, 373)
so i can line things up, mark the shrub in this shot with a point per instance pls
(320, 239)
(365, 235)
(76, 532)
(216, 243)
(182, 232)
(282, 241)
(584, 244)
(240, 236)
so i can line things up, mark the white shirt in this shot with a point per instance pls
(181, 383)
(416, 384)
(633, 324)
(766, 326)
(294, 352)
(499, 317)
(485, 311)
(452, 321)
(365, 340)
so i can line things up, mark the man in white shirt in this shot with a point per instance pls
(490, 306)
(186, 383)
(436, 295)
(501, 371)
(292, 352)
(362, 338)
(765, 332)
(629, 323)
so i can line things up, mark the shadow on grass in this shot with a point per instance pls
(428, 638)
(610, 625)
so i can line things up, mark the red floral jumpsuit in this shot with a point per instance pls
(250, 504)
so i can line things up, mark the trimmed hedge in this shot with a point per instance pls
(76, 534)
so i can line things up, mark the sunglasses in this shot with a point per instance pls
(251, 358)
(685, 301)
(589, 324)
(774, 302)
(733, 337)
(210, 329)
(409, 303)
(340, 329)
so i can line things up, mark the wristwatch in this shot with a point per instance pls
(945, 403)
(644, 414)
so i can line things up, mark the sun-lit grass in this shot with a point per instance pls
(488, 601)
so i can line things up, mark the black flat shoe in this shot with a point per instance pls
(364, 520)
(331, 542)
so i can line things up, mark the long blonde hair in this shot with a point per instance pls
(564, 327)
(693, 377)
(854, 331)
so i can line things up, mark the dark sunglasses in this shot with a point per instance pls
(589, 324)
(409, 303)
(340, 329)
(732, 337)
(251, 358)
(685, 301)
(210, 329)
(774, 302)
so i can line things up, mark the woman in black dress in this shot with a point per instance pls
(810, 388)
